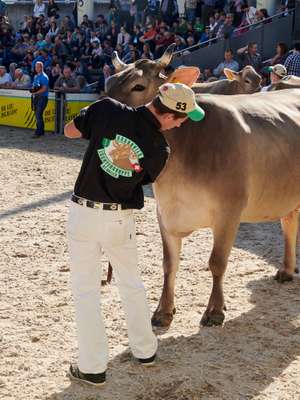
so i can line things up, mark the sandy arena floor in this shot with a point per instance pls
(255, 355)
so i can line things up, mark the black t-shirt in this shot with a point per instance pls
(126, 150)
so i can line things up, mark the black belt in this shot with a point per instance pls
(94, 204)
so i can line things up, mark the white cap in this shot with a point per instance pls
(278, 70)
(179, 97)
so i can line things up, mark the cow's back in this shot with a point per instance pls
(224, 86)
(246, 151)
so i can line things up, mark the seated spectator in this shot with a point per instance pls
(19, 50)
(137, 34)
(54, 74)
(22, 81)
(263, 16)
(149, 34)
(180, 43)
(249, 56)
(277, 72)
(281, 54)
(212, 24)
(60, 48)
(45, 58)
(182, 27)
(292, 63)
(198, 26)
(228, 62)
(82, 69)
(39, 8)
(53, 31)
(146, 52)
(226, 29)
(123, 36)
(41, 42)
(101, 26)
(5, 78)
(96, 49)
(248, 15)
(112, 34)
(66, 83)
(207, 74)
(205, 36)
(94, 37)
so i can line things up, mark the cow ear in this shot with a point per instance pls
(186, 75)
(231, 75)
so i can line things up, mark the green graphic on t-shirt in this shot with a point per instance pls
(120, 157)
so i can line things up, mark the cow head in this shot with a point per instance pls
(248, 79)
(137, 83)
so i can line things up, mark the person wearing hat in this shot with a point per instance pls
(127, 149)
(277, 72)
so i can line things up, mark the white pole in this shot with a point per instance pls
(85, 7)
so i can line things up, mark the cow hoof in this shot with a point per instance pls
(162, 319)
(282, 276)
(213, 318)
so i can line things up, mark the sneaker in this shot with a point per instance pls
(147, 362)
(90, 379)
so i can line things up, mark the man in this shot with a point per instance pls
(228, 62)
(292, 63)
(5, 78)
(67, 83)
(44, 57)
(40, 90)
(277, 72)
(250, 56)
(226, 30)
(22, 81)
(126, 150)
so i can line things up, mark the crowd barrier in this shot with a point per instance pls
(16, 109)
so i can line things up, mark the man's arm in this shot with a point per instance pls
(242, 50)
(43, 89)
(71, 131)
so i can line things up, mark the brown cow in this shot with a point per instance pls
(289, 82)
(240, 164)
(245, 81)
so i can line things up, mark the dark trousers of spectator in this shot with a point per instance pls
(206, 12)
(40, 103)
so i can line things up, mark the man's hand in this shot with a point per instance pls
(71, 131)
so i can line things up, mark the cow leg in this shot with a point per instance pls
(163, 315)
(289, 226)
(224, 236)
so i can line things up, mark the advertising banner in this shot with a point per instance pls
(75, 102)
(15, 110)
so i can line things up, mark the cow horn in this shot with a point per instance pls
(117, 63)
(166, 58)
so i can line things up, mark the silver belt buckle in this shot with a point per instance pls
(114, 207)
(80, 201)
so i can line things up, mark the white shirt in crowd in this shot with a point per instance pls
(6, 78)
(39, 9)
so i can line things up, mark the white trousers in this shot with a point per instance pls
(89, 231)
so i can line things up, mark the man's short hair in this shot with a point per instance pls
(161, 109)
(229, 51)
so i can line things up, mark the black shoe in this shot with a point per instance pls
(147, 362)
(90, 379)
(36, 135)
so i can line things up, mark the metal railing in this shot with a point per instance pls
(236, 32)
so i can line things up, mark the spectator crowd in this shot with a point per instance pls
(75, 55)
